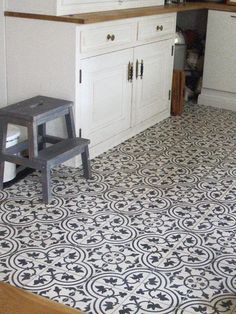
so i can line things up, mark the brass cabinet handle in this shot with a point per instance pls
(159, 28)
(130, 72)
(137, 69)
(111, 37)
(141, 69)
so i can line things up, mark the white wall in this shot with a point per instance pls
(3, 93)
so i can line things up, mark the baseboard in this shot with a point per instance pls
(218, 99)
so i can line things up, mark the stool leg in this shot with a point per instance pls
(46, 184)
(86, 163)
(42, 132)
(3, 140)
(33, 140)
(70, 124)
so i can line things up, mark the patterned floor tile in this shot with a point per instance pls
(218, 218)
(18, 270)
(220, 305)
(86, 204)
(92, 298)
(3, 196)
(220, 241)
(23, 211)
(153, 230)
(8, 241)
(136, 304)
(40, 235)
(200, 283)
(26, 188)
(116, 258)
(230, 196)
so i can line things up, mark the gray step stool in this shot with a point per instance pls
(33, 114)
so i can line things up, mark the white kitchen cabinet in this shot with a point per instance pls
(219, 77)
(153, 80)
(107, 90)
(88, 64)
(220, 64)
(63, 7)
(105, 95)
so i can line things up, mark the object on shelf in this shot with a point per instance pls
(192, 58)
(194, 63)
(180, 51)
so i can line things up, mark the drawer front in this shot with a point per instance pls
(154, 28)
(108, 37)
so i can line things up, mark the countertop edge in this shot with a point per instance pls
(106, 16)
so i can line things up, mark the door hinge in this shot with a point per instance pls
(80, 76)
(172, 50)
(169, 94)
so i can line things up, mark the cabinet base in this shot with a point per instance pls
(218, 99)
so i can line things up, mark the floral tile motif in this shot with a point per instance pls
(3, 195)
(8, 274)
(136, 304)
(18, 270)
(86, 204)
(153, 230)
(199, 283)
(35, 268)
(39, 235)
(92, 231)
(220, 241)
(26, 188)
(8, 241)
(91, 299)
(116, 258)
(230, 196)
(22, 211)
(220, 305)
(218, 218)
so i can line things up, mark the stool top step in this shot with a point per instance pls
(35, 108)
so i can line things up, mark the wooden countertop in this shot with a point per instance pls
(105, 16)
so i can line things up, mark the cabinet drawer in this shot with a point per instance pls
(154, 28)
(108, 37)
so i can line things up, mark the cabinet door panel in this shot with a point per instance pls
(106, 95)
(151, 93)
(220, 60)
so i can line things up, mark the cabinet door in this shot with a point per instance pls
(106, 95)
(151, 92)
(220, 61)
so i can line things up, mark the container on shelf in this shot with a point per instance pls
(180, 51)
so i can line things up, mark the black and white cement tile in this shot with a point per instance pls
(154, 230)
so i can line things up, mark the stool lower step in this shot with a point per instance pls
(63, 150)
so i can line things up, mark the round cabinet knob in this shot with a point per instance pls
(111, 37)
(160, 28)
